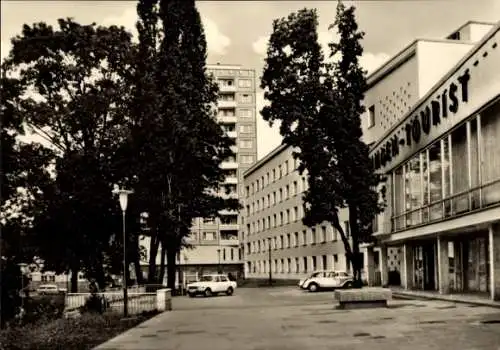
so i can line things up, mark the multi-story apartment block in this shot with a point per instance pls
(216, 243)
(274, 238)
(433, 120)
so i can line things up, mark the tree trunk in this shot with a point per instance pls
(74, 277)
(171, 267)
(137, 261)
(356, 255)
(100, 275)
(153, 251)
(162, 263)
(347, 246)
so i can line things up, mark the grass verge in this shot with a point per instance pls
(79, 333)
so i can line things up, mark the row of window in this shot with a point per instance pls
(455, 174)
(277, 197)
(229, 97)
(231, 72)
(294, 265)
(296, 239)
(230, 112)
(272, 176)
(242, 83)
(244, 159)
(212, 235)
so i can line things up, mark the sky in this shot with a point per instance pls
(237, 31)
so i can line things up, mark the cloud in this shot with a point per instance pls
(268, 137)
(217, 42)
(369, 61)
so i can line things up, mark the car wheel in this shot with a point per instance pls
(313, 287)
(348, 284)
(229, 291)
(208, 292)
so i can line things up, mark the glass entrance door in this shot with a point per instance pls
(429, 261)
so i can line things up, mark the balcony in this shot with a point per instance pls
(233, 241)
(225, 195)
(232, 134)
(228, 212)
(228, 227)
(226, 104)
(227, 88)
(227, 119)
(233, 180)
(229, 165)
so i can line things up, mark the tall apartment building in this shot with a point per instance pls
(433, 119)
(216, 243)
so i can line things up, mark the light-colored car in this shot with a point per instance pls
(326, 280)
(209, 285)
(46, 289)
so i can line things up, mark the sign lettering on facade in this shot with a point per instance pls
(422, 122)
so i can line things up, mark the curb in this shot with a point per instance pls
(403, 295)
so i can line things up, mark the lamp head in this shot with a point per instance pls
(123, 197)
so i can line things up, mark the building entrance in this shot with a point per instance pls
(425, 266)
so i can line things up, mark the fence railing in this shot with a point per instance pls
(137, 301)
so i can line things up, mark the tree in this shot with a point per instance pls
(320, 106)
(176, 143)
(72, 93)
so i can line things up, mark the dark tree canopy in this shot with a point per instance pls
(319, 105)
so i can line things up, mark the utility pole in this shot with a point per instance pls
(269, 263)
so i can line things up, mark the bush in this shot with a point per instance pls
(95, 303)
(43, 307)
(80, 333)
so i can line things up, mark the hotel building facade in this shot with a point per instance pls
(433, 122)
(216, 243)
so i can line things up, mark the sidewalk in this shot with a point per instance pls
(457, 298)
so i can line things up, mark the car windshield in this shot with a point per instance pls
(207, 278)
(316, 274)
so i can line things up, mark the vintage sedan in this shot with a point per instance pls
(326, 280)
(210, 285)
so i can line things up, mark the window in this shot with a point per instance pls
(246, 159)
(232, 254)
(296, 239)
(280, 171)
(245, 113)
(315, 263)
(305, 264)
(286, 167)
(287, 191)
(245, 129)
(226, 82)
(244, 83)
(334, 234)
(209, 236)
(313, 236)
(371, 116)
(346, 228)
(246, 98)
(295, 213)
(335, 258)
(246, 143)
(323, 234)
(304, 237)
(295, 188)
(324, 266)
(288, 244)
(224, 254)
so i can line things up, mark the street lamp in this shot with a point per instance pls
(123, 198)
(269, 262)
(218, 261)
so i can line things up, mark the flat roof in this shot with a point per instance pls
(274, 153)
(439, 83)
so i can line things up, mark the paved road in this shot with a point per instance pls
(287, 319)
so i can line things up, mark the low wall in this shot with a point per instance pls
(164, 300)
(75, 300)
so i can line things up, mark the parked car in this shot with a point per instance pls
(326, 280)
(48, 289)
(211, 285)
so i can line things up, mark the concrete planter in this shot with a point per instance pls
(362, 298)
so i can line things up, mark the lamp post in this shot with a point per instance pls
(123, 198)
(218, 261)
(269, 262)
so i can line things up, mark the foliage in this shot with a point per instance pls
(70, 89)
(11, 284)
(177, 144)
(95, 303)
(84, 332)
(319, 105)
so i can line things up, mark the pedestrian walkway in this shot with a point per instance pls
(256, 322)
(457, 298)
